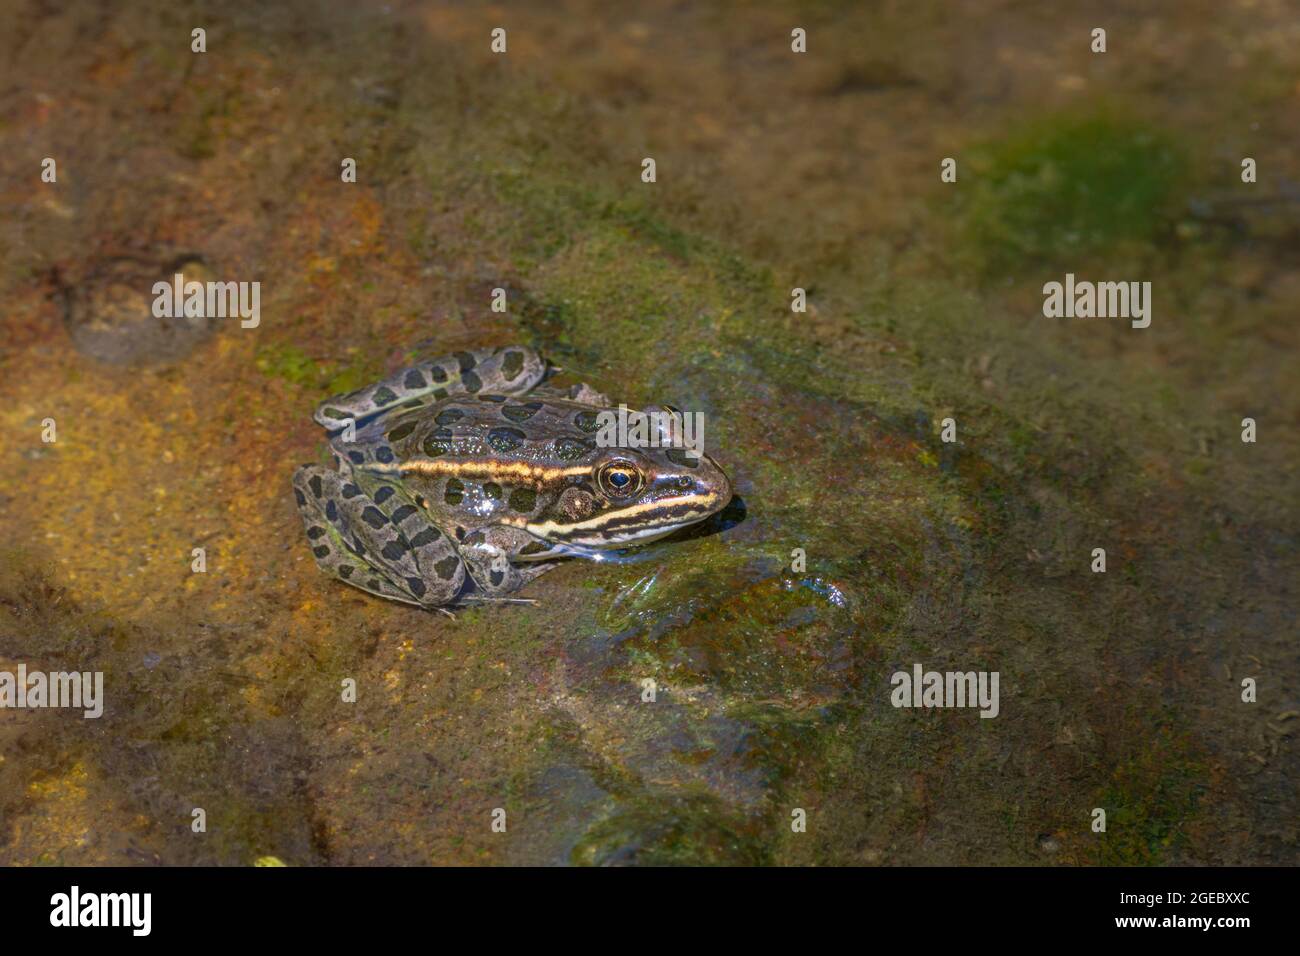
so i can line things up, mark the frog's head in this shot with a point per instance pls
(631, 496)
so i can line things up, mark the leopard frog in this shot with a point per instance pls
(463, 478)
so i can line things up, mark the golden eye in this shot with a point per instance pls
(619, 479)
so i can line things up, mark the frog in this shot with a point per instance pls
(461, 479)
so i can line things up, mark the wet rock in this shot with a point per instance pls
(110, 317)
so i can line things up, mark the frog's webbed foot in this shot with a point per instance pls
(375, 539)
(511, 370)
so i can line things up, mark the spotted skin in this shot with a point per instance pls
(464, 478)
(512, 370)
(334, 543)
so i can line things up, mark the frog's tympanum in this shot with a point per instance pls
(466, 478)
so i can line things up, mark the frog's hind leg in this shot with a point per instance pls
(318, 492)
(397, 533)
(511, 370)
(582, 392)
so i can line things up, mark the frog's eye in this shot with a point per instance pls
(618, 479)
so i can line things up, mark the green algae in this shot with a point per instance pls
(292, 364)
(1152, 797)
(688, 829)
(1071, 186)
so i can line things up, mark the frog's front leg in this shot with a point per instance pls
(488, 554)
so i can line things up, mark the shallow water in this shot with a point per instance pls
(772, 685)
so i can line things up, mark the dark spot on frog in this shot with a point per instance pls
(678, 456)
(373, 517)
(521, 413)
(535, 547)
(494, 399)
(571, 449)
(356, 457)
(586, 420)
(496, 577)
(523, 500)
(427, 536)
(315, 532)
(505, 440)
(299, 497)
(466, 361)
(345, 571)
(384, 396)
(437, 374)
(454, 491)
(417, 586)
(435, 447)
(351, 491)
(384, 454)
(401, 431)
(404, 512)
(449, 416)
(446, 568)
(383, 494)
(331, 511)
(471, 382)
(414, 379)
(315, 485)
(492, 490)
(512, 364)
(394, 550)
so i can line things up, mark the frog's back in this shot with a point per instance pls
(496, 428)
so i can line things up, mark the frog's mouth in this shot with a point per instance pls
(595, 538)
